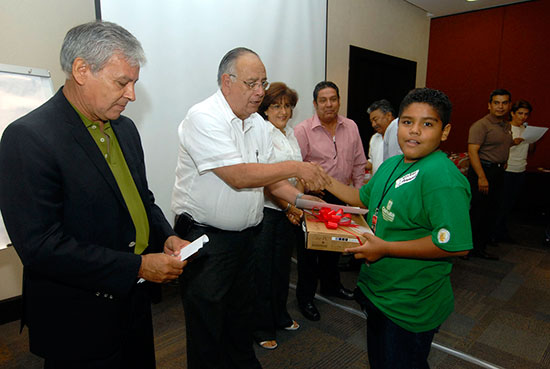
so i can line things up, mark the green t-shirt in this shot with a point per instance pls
(427, 197)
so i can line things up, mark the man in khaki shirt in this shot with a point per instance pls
(489, 143)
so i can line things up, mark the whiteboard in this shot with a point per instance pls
(184, 42)
(22, 89)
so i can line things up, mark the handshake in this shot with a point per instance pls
(312, 176)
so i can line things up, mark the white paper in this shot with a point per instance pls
(189, 250)
(309, 204)
(532, 134)
(193, 247)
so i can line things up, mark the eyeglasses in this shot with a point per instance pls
(253, 85)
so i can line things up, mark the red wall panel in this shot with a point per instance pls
(471, 54)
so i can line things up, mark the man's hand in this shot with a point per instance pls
(372, 250)
(518, 140)
(160, 267)
(483, 185)
(173, 245)
(294, 215)
(312, 176)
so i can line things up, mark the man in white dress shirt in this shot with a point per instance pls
(381, 114)
(223, 164)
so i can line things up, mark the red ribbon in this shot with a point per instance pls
(334, 219)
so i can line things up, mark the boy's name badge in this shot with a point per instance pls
(406, 178)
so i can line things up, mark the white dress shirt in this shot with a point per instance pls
(391, 145)
(285, 147)
(376, 151)
(517, 159)
(212, 136)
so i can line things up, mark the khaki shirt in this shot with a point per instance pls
(494, 137)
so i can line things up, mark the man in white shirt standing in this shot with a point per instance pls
(381, 114)
(223, 164)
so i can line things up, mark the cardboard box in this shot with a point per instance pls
(319, 237)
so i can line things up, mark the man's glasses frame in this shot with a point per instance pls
(252, 85)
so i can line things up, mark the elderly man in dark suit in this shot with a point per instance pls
(77, 207)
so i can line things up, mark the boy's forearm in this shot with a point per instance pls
(348, 194)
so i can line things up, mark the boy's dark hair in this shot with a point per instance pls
(384, 106)
(500, 92)
(435, 98)
(521, 104)
(322, 85)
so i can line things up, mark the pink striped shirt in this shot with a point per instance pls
(341, 156)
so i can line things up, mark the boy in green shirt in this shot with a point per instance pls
(418, 209)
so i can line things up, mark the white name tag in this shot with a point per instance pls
(406, 178)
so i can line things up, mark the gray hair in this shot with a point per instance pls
(384, 106)
(227, 65)
(96, 42)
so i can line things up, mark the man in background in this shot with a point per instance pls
(489, 144)
(78, 210)
(333, 142)
(381, 114)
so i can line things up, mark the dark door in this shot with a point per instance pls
(375, 76)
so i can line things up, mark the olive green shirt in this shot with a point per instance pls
(110, 148)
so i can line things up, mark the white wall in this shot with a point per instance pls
(32, 31)
(31, 35)
(184, 42)
(392, 27)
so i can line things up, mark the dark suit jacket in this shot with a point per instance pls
(69, 223)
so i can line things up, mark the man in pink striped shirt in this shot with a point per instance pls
(333, 142)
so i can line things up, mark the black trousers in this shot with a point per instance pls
(391, 346)
(485, 207)
(512, 187)
(218, 293)
(316, 265)
(137, 349)
(272, 257)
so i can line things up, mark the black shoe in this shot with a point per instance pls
(310, 311)
(342, 293)
(483, 254)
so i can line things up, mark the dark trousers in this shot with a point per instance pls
(485, 207)
(316, 265)
(218, 295)
(512, 187)
(390, 346)
(137, 349)
(272, 256)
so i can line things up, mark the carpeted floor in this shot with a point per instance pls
(501, 317)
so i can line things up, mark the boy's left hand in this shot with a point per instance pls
(372, 250)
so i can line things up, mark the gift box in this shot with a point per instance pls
(319, 237)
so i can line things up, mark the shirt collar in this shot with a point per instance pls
(493, 119)
(230, 115)
(317, 122)
(88, 122)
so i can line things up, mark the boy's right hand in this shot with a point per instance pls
(372, 250)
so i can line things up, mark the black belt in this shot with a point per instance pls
(185, 221)
(490, 164)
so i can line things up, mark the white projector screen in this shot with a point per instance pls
(184, 41)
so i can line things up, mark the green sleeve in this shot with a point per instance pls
(448, 213)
